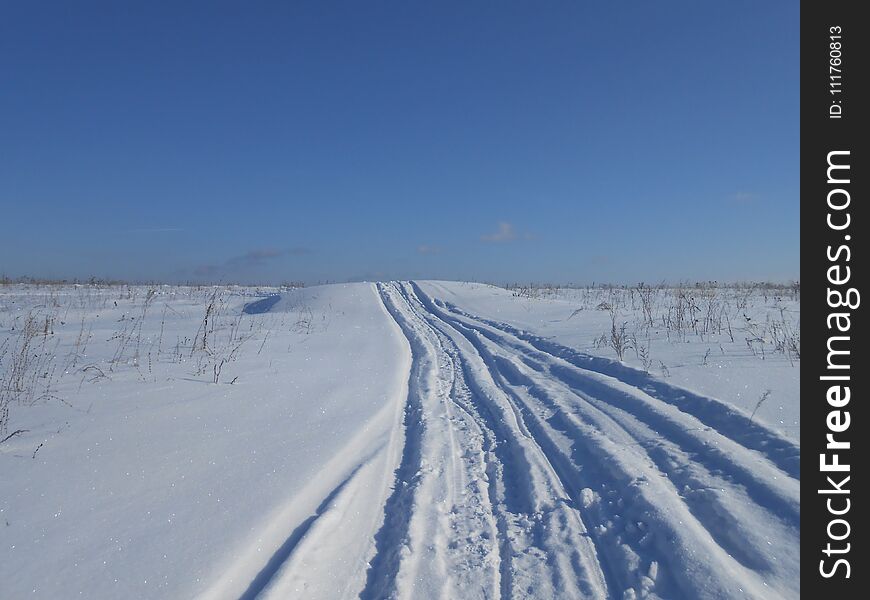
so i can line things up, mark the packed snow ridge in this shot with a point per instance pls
(396, 440)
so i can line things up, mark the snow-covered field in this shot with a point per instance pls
(409, 440)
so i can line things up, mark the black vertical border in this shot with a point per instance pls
(820, 135)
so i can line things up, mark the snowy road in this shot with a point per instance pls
(526, 475)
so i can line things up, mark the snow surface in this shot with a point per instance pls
(407, 440)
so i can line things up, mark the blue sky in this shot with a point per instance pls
(271, 141)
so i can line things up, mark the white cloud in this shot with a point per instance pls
(505, 233)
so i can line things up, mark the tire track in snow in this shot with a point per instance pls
(601, 443)
(474, 561)
(393, 534)
(711, 413)
(270, 572)
(759, 473)
(438, 535)
(551, 551)
(491, 453)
